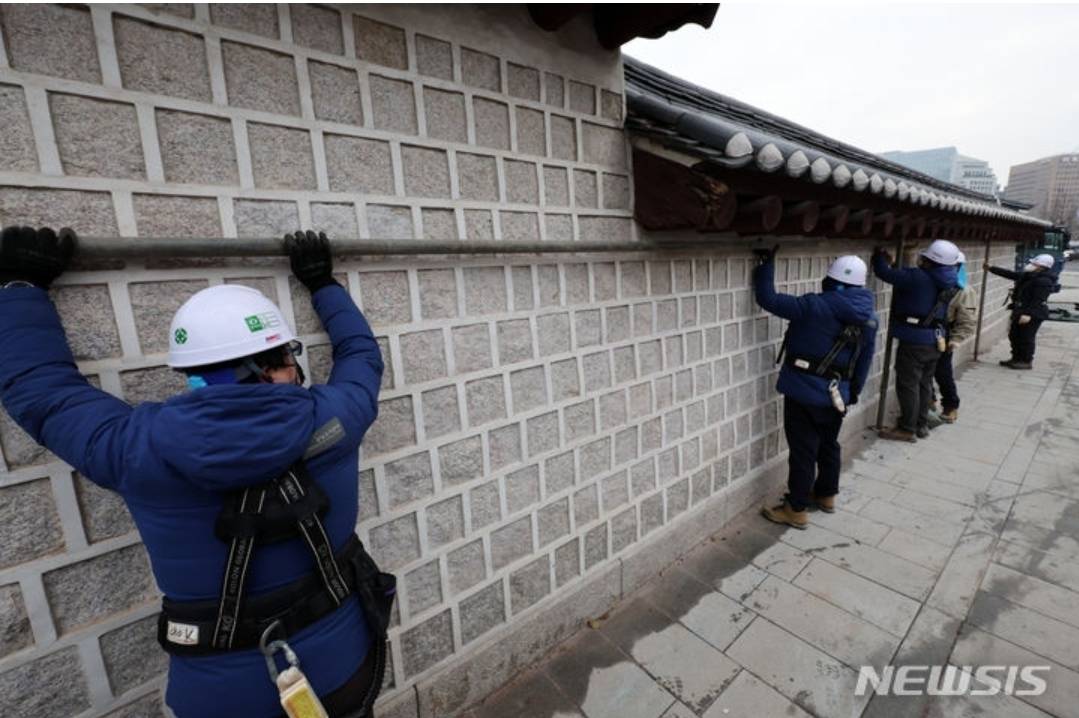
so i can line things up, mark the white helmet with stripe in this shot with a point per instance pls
(849, 269)
(222, 323)
(943, 252)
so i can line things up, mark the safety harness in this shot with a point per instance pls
(936, 319)
(292, 505)
(822, 366)
(1017, 295)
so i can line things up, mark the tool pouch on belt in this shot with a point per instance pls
(376, 592)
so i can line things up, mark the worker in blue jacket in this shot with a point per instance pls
(919, 322)
(247, 424)
(826, 357)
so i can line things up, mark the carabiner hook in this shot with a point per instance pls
(263, 645)
(269, 648)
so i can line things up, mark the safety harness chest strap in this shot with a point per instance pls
(822, 366)
(245, 525)
(932, 320)
(290, 491)
(241, 551)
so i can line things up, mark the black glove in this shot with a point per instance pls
(766, 256)
(37, 256)
(883, 253)
(312, 262)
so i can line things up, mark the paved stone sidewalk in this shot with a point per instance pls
(962, 549)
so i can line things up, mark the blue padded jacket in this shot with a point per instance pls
(916, 292)
(173, 462)
(816, 320)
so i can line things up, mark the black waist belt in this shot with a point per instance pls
(822, 366)
(916, 322)
(808, 365)
(187, 628)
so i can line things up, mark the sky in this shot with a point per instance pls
(998, 81)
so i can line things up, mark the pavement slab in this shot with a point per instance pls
(531, 695)
(870, 601)
(717, 619)
(906, 577)
(690, 669)
(958, 582)
(838, 633)
(1050, 566)
(862, 530)
(809, 677)
(996, 706)
(916, 549)
(954, 493)
(1042, 596)
(960, 550)
(928, 643)
(1039, 634)
(1061, 697)
(747, 697)
(943, 532)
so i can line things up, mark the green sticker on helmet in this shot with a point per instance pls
(258, 322)
(180, 336)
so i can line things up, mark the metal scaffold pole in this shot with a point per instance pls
(157, 247)
(886, 373)
(981, 300)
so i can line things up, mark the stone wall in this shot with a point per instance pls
(552, 427)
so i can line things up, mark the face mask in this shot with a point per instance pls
(961, 278)
(224, 375)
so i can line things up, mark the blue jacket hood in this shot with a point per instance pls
(852, 305)
(250, 433)
(943, 277)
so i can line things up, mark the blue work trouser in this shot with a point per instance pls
(915, 365)
(813, 437)
(945, 375)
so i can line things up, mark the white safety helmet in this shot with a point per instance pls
(849, 270)
(223, 323)
(943, 252)
(962, 258)
(1045, 261)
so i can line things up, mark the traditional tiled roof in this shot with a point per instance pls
(702, 123)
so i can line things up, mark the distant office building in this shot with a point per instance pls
(947, 165)
(975, 174)
(1051, 185)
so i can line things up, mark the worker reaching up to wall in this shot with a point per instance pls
(826, 357)
(918, 318)
(244, 490)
